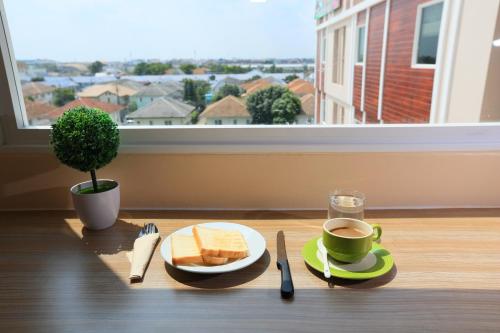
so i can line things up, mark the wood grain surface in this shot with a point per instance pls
(56, 276)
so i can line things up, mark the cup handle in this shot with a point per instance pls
(377, 232)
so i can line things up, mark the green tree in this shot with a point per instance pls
(227, 90)
(291, 77)
(188, 68)
(132, 106)
(96, 67)
(253, 78)
(194, 117)
(286, 108)
(260, 104)
(85, 139)
(38, 79)
(195, 91)
(62, 96)
(154, 68)
(212, 77)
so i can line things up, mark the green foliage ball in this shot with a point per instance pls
(85, 138)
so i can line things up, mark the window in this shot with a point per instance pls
(360, 46)
(218, 122)
(323, 46)
(150, 122)
(427, 33)
(168, 122)
(338, 55)
(235, 122)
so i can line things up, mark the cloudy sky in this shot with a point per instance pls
(86, 30)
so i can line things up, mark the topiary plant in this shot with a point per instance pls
(85, 139)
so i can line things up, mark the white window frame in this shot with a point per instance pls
(357, 62)
(243, 139)
(416, 36)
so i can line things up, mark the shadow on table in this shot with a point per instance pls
(221, 281)
(120, 237)
(357, 284)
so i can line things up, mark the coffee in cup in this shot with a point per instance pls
(349, 240)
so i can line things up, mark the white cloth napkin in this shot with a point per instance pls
(143, 250)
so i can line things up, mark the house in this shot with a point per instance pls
(114, 110)
(306, 116)
(259, 84)
(225, 81)
(200, 71)
(162, 111)
(150, 93)
(37, 91)
(301, 87)
(228, 111)
(113, 93)
(38, 112)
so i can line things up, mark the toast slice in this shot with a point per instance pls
(220, 243)
(185, 251)
(214, 261)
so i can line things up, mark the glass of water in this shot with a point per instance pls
(346, 203)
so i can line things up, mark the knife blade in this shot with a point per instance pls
(287, 290)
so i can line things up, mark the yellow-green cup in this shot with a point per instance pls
(349, 249)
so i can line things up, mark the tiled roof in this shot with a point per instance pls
(157, 91)
(267, 80)
(89, 102)
(228, 107)
(259, 86)
(36, 88)
(164, 107)
(301, 87)
(38, 110)
(99, 89)
(308, 103)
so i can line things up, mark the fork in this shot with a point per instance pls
(147, 229)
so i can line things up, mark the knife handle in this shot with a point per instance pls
(286, 279)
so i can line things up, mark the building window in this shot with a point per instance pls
(168, 122)
(323, 46)
(427, 32)
(150, 122)
(338, 55)
(235, 122)
(249, 121)
(218, 122)
(360, 54)
(109, 100)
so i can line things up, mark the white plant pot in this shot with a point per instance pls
(97, 211)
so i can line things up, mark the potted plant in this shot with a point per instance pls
(87, 139)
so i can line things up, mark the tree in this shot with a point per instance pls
(253, 78)
(96, 67)
(260, 104)
(38, 79)
(291, 77)
(227, 90)
(85, 139)
(62, 96)
(194, 117)
(187, 68)
(286, 108)
(195, 91)
(212, 77)
(154, 68)
(132, 106)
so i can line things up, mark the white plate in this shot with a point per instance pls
(256, 247)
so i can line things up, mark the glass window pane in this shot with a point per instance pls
(361, 44)
(430, 25)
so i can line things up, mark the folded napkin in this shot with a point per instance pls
(143, 250)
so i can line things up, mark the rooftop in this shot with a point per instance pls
(228, 107)
(301, 87)
(165, 107)
(100, 89)
(37, 110)
(36, 88)
(308, 103)
(89, 102)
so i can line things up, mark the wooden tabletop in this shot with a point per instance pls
(56, 276)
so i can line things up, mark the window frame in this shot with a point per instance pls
(416, 36)
(242, 138)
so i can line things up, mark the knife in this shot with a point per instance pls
(286, 276)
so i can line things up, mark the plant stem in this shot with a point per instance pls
(94, 180)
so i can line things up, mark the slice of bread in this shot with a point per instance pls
(214, 260)
(220, 243)
(185, 251)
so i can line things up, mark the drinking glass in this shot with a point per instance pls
(346, 204)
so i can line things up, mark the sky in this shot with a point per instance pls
(118, 30)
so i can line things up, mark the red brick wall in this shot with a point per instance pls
(407, 91)
(358, 76)
(373, 57)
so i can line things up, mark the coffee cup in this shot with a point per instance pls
(349, 240)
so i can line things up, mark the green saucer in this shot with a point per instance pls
(378, 262)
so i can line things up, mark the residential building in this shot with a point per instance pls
(37, 91)
(228, 111)
(38, 112)
(150, 93)
(306, 116)
(162, 111)
(115, 111)
(403, 61)
(112, 93)
(226, 81)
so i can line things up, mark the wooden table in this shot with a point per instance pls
(57, 277)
